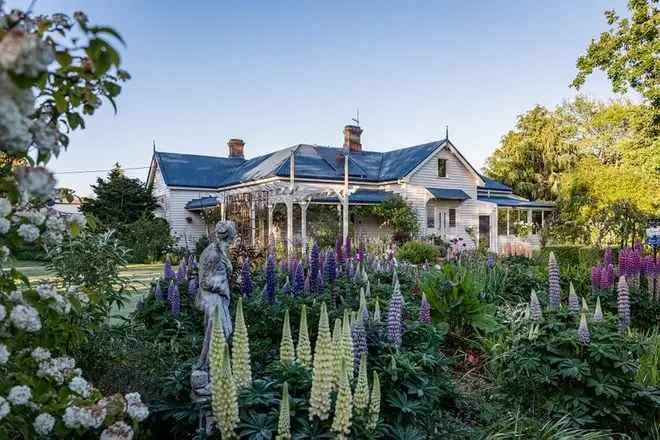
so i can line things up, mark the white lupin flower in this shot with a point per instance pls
(25, 318)
(3, 312)
(4, 225)
(117, 431)
(80, 386)
(40, 354)
(5, 207)
(4, 408)
(19, 395)
(44, 424)
(28, 232)
(4, 354)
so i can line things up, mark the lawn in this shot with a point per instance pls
(139, 276)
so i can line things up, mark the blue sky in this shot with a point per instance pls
(281, 73)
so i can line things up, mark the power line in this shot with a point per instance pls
(99, 171)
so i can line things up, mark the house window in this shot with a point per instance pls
(442, 167)
(452, 217)
(430, 217)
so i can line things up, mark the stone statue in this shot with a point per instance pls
(214, 274)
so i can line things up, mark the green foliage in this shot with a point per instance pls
(627, 52)
(149, 238)
(518, 426)
(418, 252)
(455, 299)
(551, 374)
(649, 369)
(119, 200)
(396, 214)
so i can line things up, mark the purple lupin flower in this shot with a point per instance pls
(174, 299)
(339, 254)
(330, 268)
(424, 311)
(607, 277)
(168, 272)
(623, 304)
(299, 280)
(607, 257)
(182, 271)
(395, 316)
(595, 277)
(535, 307)
(554, 291)
(307, 288)
(271, 280)
(192, 288)
(347, 248)
(284, 267)
(314, 268)
(360, 253)
(583, 331)
(158, 294)
(573, 300)
(490, 262)
(359, 336)
(246, 278)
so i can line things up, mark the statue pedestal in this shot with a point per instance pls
(201, 392)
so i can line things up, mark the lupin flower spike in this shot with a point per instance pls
(271, 280)
(598, 313)
(284, 422)
(174, 298)
(241, 349)
(322, 374)
(374, 403)
(337, 352)
(535, 307)
(347, 344)
(225, 399)
(583, 331)
(362, 387)
(554, 290)
(287, 352)
(424, 310)
(573, 300)
(341, 423)
(299, 280)
(304, 349)
(359, 334)
(394, 317)
(246, 278)
(377, 311)
(623, 303)
(585, 306)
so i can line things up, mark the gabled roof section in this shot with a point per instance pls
(399, 163)
(494, 185)
(194, 171)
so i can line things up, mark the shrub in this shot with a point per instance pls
(546, 370)
(418, 252)
(148, 238)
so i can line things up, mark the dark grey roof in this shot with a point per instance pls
(202, 202)
(494, 184)
(513, 202)
(361, 196)
(311, 161)
(448, 193)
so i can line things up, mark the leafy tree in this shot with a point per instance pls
(532, 157)
(628, 53)
(119, 199)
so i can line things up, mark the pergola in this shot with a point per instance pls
(290, 191)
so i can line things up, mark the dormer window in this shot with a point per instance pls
(442, 167)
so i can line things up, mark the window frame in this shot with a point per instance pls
(449, 217)
(430, 217)
(444, 167)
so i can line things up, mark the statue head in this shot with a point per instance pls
(225, 232)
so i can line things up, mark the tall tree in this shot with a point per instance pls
(119, 200)
(532, 157)
(628, 53)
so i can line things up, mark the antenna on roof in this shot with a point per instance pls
(356, 119)
(447, 132)
(154, 143)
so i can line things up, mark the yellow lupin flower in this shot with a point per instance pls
(341, 423)
(362, 387)
(241, 349)
(284, 422)
(287, 351)
(319, 401)
(225, 399)
(374, 403)
(304, 349)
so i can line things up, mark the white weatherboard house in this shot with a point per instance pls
(451, 199)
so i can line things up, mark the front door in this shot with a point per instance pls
(443, 222)
(484, 231)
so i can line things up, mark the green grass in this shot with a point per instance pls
(139, 277)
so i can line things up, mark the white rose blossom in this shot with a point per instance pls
(28, 232)
(25, 318)
(40, 354)
(20, 395)
(5, 225)
(4, 408)
(117, 431)
(5, 207)
(44, 424)
(4, 354)
(80, 386)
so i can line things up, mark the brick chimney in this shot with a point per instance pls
(352, 135)
(236, 148)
